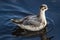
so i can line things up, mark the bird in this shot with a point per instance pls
(33, 22)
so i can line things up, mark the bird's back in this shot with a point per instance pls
(32, 20)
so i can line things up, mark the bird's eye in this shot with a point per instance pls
(45, 8)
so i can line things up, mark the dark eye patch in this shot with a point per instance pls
(44, 7)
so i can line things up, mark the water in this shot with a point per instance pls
(7, 26)
(18, 9)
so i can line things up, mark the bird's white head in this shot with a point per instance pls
(43, 7)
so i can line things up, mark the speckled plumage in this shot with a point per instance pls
(33, 22)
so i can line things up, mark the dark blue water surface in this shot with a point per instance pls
(21, 8)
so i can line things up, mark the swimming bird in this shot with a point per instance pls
(33, 22)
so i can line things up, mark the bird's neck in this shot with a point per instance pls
(42, 16)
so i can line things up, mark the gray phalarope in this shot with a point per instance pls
(33, 22)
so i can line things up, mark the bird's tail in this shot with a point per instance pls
(17, 21)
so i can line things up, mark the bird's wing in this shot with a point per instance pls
(31, 20)
(28, 20)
